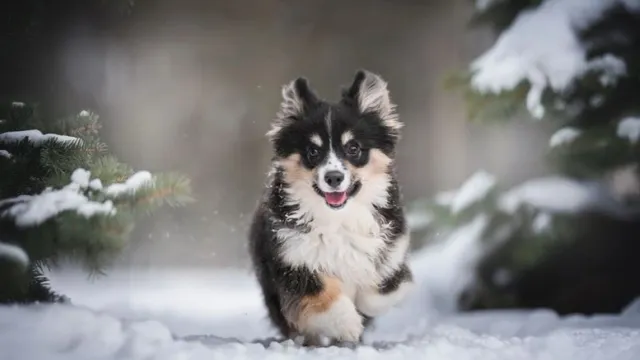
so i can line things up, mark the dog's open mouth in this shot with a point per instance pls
(337, 200)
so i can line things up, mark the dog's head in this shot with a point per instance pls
(336, 153)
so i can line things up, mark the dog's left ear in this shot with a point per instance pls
(369, 94)
(297, 100)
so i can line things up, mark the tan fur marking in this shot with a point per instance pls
(294, 171)
(348, 135)
(315, 304)
(378, 165)
(378, 162)
(316, 139)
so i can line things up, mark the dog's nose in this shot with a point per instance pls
(334, 178)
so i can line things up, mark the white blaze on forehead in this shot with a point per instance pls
(315, 138)
(348, 135)
(333, 163)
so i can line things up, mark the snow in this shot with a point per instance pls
(84, 113)
(556, 194)
(611, 67)
(541, 223)
(101, 336)
(138, 314)
(81, 177)
(36, 137)
(564, 136)
(473, 190)
(445, 198)
(31, 210)
(17, 104)
(95, 184)
(445, 267)
(133, 183)
(541, 47)
(14, 253)
(629, 128)
(5, 153)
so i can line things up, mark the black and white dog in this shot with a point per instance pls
(329, 239)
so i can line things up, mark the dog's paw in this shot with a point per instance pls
(340, 322)
(372, 303)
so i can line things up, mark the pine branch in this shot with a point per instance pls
(596, 151)
(54, 210)
(489, 108)
(169, 189)
(26, 285)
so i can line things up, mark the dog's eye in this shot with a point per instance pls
(353, 149)
(312, 153)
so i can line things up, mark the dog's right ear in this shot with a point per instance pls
(297, 99)
(368, 93)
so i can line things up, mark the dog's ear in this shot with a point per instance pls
(297, 99)
(369, 94)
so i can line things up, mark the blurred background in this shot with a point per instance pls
(191, 86)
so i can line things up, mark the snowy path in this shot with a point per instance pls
(148, 315)
(72, 333)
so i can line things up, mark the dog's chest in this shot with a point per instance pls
(349, 255)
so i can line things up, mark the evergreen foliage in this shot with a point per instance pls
(64, 197)
(595, 153)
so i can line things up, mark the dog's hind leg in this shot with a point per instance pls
(378, 300)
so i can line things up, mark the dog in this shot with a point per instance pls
(329, 239)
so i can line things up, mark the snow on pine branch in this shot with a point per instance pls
(32, 210)
(552, 194)
(36, 137)
(629, 128)
(542, 47)
(13, 253)
(564, 136)
(5, 154)
(133, 183)
(473, 190)
(555, 194)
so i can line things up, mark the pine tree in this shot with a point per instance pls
(551, 241)
(64, 197)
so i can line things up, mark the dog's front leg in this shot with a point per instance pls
(391, 291)
(323, 310)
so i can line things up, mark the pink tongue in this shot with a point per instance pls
(335, 198)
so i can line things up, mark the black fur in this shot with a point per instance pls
(392, 283)
(278, 280)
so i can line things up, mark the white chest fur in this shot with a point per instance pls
(343, 248)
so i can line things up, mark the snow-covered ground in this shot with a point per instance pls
(160, 314)
(189, 314)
